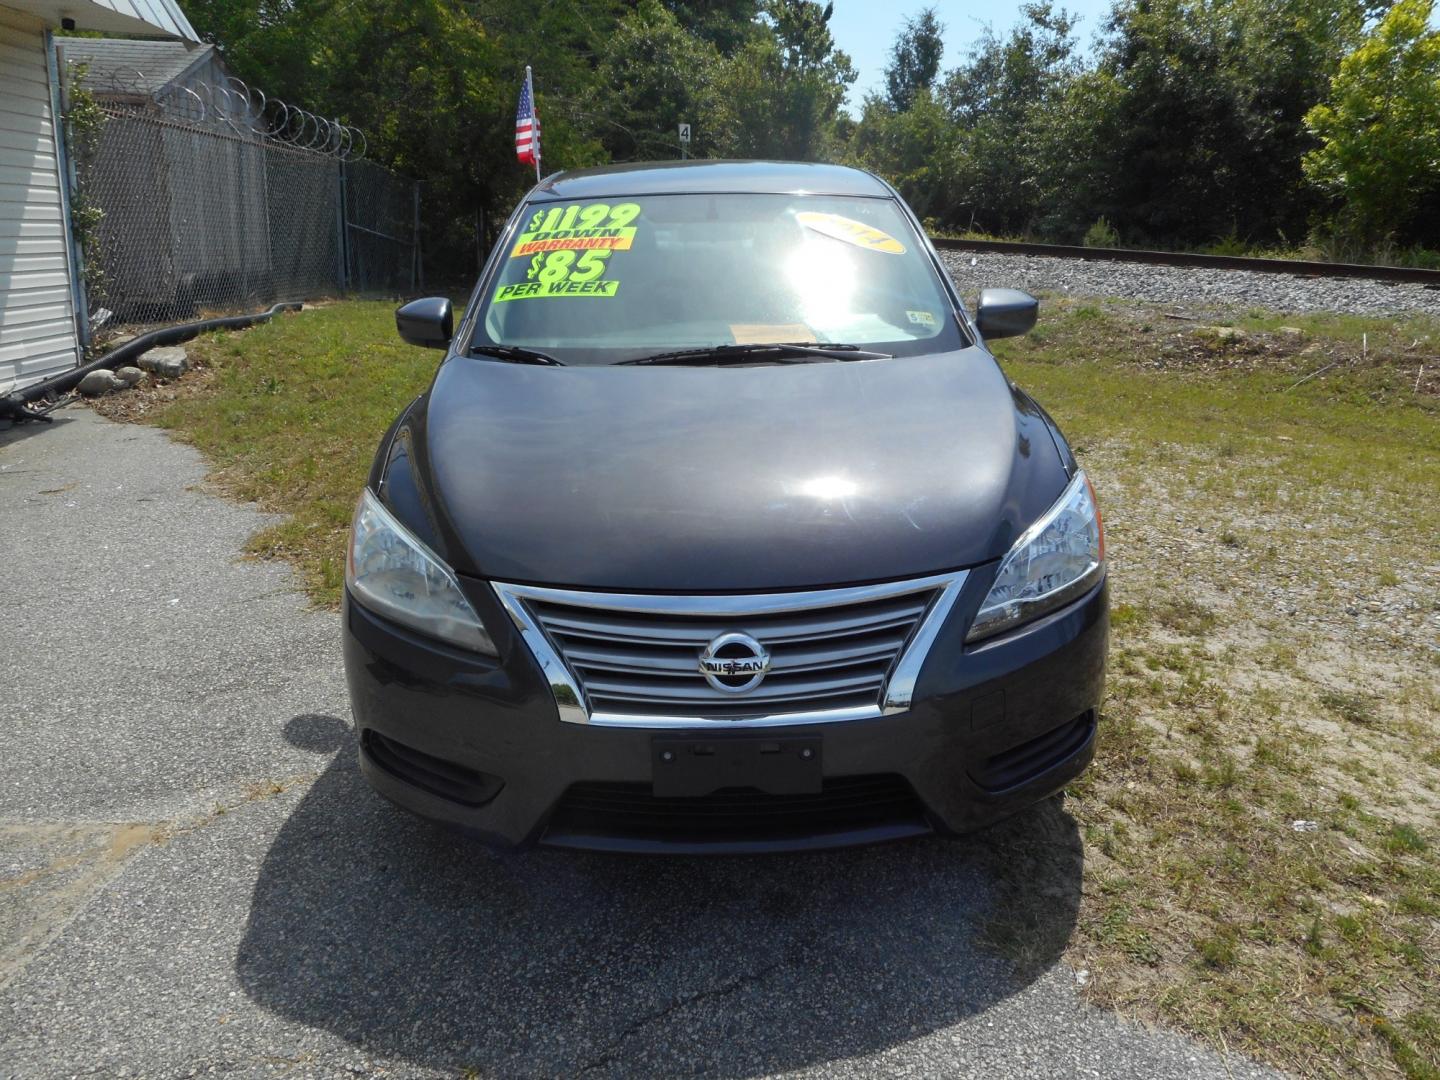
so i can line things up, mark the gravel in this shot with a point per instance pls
(1188, 288)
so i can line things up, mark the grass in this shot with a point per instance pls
(1261, 850)
(1274, 564)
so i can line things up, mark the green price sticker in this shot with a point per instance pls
(569, 249)
(567, 266)
(535, 290)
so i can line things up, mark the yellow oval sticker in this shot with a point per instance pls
(851, 231)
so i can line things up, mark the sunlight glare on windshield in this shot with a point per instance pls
(823, 279)
(829, 487)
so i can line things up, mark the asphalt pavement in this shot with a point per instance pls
(194, 879)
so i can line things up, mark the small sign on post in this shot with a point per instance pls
(684, 139)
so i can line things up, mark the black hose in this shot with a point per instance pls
(16, 406)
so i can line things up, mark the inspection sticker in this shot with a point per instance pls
(921, 318)
(851, 232)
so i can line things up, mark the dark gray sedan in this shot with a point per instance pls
(719, 529)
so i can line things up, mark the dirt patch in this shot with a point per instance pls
(1200, 341)
(1262, 823)
(1262, 817)
(48, 872)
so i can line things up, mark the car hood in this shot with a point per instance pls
(666, 478)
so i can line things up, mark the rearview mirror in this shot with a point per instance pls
(1005, 313)
(429, 323)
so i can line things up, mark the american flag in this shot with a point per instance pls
(527, 127)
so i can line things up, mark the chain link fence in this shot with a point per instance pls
(189, 218)
(382, 226)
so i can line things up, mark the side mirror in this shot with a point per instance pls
(1005, 313)
(429, 323)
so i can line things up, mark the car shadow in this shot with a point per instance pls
(416, 943)
(13, 432)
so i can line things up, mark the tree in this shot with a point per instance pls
(917, 150)
(726, 24)
(1206, 132)
(433, 84)
(779, 96)
(1006, 97)
(914, 59)
(1071, 155)
(653, 75)
(1190, 123)
(1380, 131)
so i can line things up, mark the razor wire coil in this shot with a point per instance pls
(214, 198)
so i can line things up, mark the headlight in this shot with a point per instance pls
(393, 574)
(1057, 559)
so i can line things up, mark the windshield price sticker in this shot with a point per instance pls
(534, 290)
(562, 273)
(592, 227)
(851, 232)
(569, 248)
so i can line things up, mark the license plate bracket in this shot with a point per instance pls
(693, 767)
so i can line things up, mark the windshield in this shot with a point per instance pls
(602, 282)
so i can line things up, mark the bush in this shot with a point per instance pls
(1229, 244)
(1102, 235)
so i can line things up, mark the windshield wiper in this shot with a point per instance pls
(516, 354)
(783, 352)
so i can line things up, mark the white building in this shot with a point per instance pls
(39, 285)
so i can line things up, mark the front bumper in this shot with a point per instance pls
(478, 743)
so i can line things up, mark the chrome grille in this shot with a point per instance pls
(633, 659)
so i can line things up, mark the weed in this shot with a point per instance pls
(1404, 839)
(1219, 950)
(1184, 772)
(1184, 615)
(1314, 937)
(1123, 616)
(1133, 941)
(1101, 234)
(1268, 752)
(1352, 708)
(1223, 775)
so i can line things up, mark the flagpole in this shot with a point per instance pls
(534, 118)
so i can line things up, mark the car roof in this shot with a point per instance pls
(710, 177)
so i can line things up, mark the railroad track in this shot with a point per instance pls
(1294, 267)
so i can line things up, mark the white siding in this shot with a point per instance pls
(37, 323)
(144, 17)
(164, 14)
